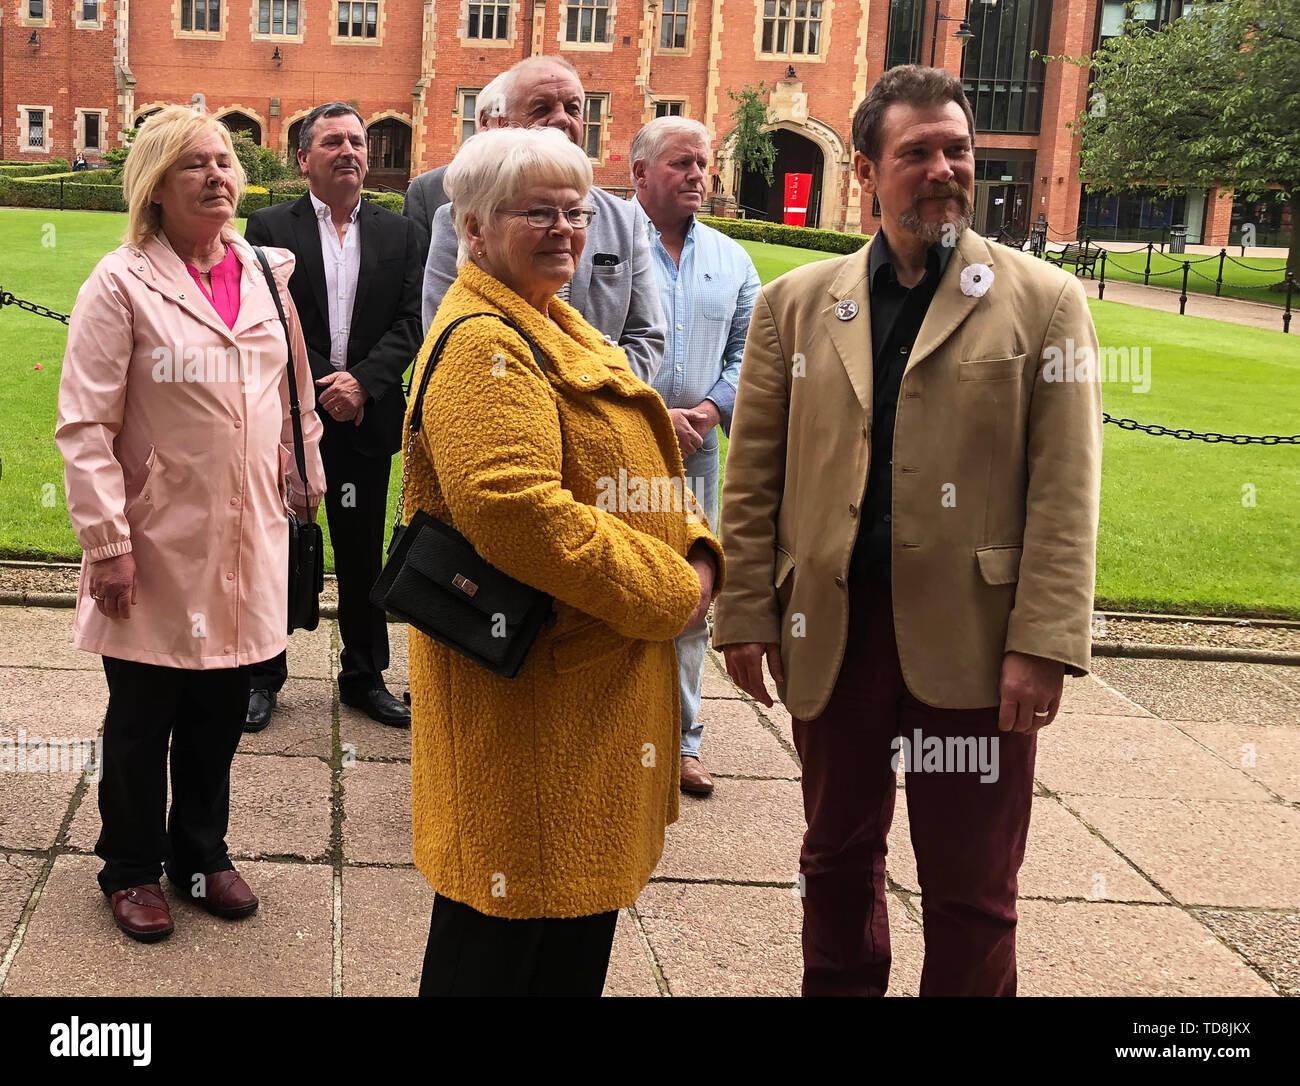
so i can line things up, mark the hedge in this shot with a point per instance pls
(34, 169)
(43, 193)
(775, 233)
(255, 201)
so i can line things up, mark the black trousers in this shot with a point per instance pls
(356, 503)
(202, 713)
(472, 954)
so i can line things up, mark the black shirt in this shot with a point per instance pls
(896, 316)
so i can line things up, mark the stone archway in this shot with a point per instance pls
(832, 160)
(238, 121)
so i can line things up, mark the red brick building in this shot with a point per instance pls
(75, 73)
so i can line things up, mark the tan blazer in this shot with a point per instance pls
(997, 471)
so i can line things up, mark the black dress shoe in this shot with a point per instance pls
(260, 704)
(378, 704)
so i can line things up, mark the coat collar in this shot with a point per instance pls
(948, 309)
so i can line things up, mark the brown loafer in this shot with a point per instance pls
(142, 913)
(694, 779)
(225, 894)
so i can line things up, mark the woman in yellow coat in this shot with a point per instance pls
(540, 802)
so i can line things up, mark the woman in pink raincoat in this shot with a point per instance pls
(175, 433)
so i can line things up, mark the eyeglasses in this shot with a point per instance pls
(543, 218)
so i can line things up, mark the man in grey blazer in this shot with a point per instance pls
(614, 285)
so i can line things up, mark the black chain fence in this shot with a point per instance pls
(6, 298)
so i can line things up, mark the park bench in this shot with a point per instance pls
(1082, 257)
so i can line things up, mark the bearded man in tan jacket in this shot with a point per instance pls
(910, 521)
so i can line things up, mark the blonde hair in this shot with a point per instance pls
(164, 137)
(491, 169)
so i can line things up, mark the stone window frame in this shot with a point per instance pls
(254, 12)
(24, 19)
(671, 50)
(508, 42)
(80, 130)
(199, 35)
(824, 43)
(605, 121)
(459, 112)
(24, 131)
(79, 9)
(671, 102)
(606, 46)
(381, 20)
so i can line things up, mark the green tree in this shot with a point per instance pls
(1213, 98)
(751, 147)
(116, 156)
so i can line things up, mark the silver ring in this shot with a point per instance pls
(1045, 712)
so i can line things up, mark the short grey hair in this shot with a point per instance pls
(490, 170)
(648, 144)
(491, 100)
(502, 89)
(329, 109)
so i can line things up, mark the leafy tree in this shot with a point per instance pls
(1213, 98)
(116, 156)
(751, 147)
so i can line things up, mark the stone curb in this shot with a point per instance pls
(1147, 650)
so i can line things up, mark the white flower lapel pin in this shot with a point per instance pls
(976, 280)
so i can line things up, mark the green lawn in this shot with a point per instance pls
(1175, 535)
(1238, 282)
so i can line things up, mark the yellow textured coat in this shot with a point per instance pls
(547, 794)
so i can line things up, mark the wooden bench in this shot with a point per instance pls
(1082, 257)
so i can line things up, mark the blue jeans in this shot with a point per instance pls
(702, 478)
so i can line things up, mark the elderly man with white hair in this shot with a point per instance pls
(612, 286)
(707, 284)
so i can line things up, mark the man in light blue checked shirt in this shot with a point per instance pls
(707, 284)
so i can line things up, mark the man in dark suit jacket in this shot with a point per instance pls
(357, 290)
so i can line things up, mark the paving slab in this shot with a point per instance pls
(779, 716)
(309, 652)
(1197, 690)
(398, 675)
(737, 743)
(1205, 852)
(279, 806)
(1108, 949)
(630, 972)
(721, 838)
(368, 740)
(72, 947)
(301, 725)
(717, 683)
(42, 637)
(1269, 941)
(18, 875)
(51, 704)
(1266, 753)
(1088, 694)
(377, 813)
(386, 913)
(32, 806)
(1137, 757)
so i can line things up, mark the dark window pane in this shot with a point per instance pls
(473, 22)
(264, 17)
(187, 19)
(291, 17)
(797, 45)
(767, 35)
(214, 15)
(92, 130)
(90, 12)
(36, 9)
(601, 23)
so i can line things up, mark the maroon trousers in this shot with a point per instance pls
(968, 834)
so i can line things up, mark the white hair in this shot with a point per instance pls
(494, 100)
(491, 170)
(648, 144)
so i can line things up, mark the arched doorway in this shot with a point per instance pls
(794, 154)
(242, 122)
(388, 144)
(295, 132)
(144, 114)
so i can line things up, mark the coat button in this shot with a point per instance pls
(234, 501)
(182, 294)
(586, 377)
(230, 576)
(238, 424)
(839, 582)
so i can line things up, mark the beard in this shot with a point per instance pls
(933, 233)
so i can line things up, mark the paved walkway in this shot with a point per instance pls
(1164, 854)
(1233, 310)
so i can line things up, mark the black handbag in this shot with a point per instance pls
(306, 541)
(437, 582)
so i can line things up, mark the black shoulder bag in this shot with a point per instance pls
(306, 543)
(436, 581)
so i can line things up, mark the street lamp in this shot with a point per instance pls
(963, 33)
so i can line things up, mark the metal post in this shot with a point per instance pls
(1286, 313)
(61, 180)
(1146, 275)
(1218, 283)
(1182, 301)
(1101, 287)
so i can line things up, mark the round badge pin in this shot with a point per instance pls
(846, 310)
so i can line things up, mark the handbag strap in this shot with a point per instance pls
(294, 410)
(417, 408)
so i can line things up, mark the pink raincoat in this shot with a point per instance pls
(176, 442)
